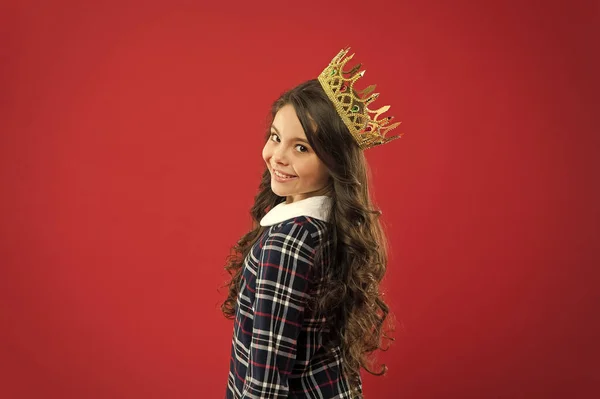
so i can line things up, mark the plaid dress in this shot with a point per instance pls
(276, 350)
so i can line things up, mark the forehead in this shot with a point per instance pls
(286, 122)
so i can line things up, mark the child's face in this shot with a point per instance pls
(287, 151)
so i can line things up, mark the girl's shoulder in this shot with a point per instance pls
(305, 228)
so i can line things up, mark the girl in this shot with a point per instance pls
(304, 289)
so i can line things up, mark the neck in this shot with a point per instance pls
(324, 191)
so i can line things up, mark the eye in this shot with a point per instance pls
(274, 135)
(302, 148)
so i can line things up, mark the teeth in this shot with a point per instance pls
(283, 176)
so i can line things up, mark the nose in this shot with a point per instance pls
(280, 155)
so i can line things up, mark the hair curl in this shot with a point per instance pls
(356, 246)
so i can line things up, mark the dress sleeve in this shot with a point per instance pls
(282, 283)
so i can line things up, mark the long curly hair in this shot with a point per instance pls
(356, 247)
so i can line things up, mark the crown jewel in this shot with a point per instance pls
(351, 105)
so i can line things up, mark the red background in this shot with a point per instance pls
(130, 154)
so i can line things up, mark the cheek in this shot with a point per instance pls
(320, 172)
(323, 174)
(314, 171)
(266, 153)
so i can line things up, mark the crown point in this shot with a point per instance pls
(372, 98)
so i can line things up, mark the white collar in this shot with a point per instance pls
(317, 207)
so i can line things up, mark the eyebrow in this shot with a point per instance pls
(294, 138)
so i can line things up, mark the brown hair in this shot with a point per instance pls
(356, 246)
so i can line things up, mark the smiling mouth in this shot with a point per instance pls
(282, 176)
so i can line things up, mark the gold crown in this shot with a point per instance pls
(367, 130)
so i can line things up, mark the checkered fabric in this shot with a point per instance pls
(277, 346)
